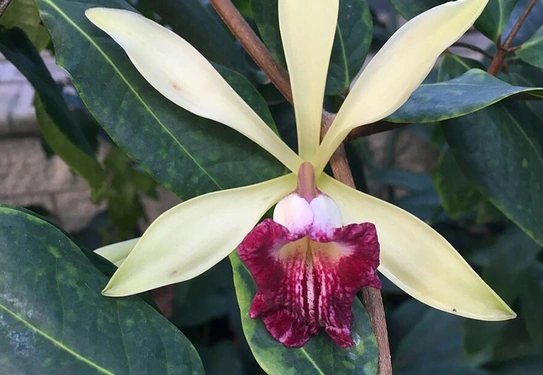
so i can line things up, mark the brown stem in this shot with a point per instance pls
(373, 301)
(505, 49)
(3, 5)
(256, 49)
(473, 48)
(253, 45)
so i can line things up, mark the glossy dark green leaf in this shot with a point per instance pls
(401, 178)
(266, 17)
(433, 340)
(458, 194)
(221, 358)
(502, 152)
(186, 18)
(80, 162)
(205, 297)
(320, 355)
(24, 15)
(532, 22)
(523, 365)
(453, 66)
(509, 259)
(409, 9)
(531, 51)
(53, 319)
(472, 91)
(55, 120)
(351, 43)
(531, 302)
(494, 18)
(187, 154)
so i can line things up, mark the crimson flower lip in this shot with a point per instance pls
(308, 267)
(190, 238)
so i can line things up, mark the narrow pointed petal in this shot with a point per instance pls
(180, 73)
(190, 238)
(116, 253)
(399, 68)
(308, 37)
(418, 259)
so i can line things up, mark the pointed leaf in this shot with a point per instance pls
(531, 51)
(492, 22)
(501, 150)
(190, 238)
(320, 355)
(418, 259)
(53, 319)
(398, 69)
(472, 91)
(187, 154)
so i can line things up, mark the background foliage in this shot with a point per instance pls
(483, 193)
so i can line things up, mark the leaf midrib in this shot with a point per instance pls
(55, 342)
(122, 77)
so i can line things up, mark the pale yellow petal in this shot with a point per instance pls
(398, 69)
(307, 30)
(116, 253)
(190, 238)
(418, 259)
(180, 73)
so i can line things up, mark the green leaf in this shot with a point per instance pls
(524, 365)
(493, 20)
(409, 9)
(205, 297)
(24, 15)
(531, 302)
(401, 178)
(530, 24)
(458, 194)
(213, 41)
(351, 44)
(433, 342)
(531, 51)
(55, 120)
(502, 153)
(510, 257)
(320, 355)
(185, 153)
(80, 162)
(53, 319)
(266, 16)
(491, 23)
(453, 66)
(472, 91)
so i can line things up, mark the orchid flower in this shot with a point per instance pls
(311, 259)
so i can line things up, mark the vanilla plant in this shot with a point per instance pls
(325, 240)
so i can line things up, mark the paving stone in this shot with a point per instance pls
(25, 170)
